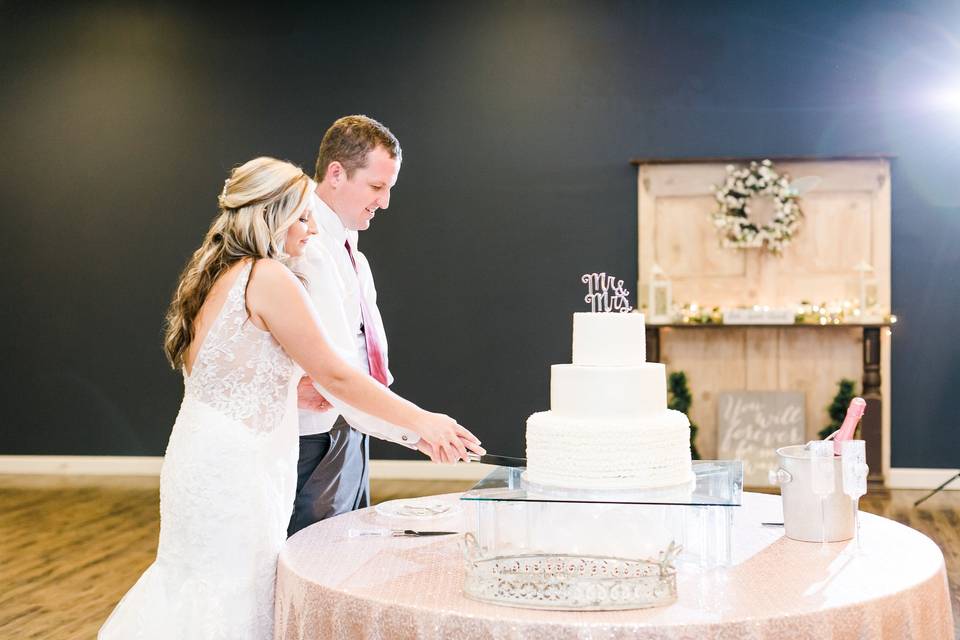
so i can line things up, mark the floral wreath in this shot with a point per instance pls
(732, 219)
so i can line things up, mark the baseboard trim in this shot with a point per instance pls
(915, 478)
(82, 465)
(899, 478)
(150, 466)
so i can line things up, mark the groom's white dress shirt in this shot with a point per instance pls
(335, 288)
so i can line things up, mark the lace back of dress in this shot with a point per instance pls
(240, 369)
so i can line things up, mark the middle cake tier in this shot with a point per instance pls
(580, 391)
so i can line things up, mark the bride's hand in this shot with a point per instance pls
(444, 440)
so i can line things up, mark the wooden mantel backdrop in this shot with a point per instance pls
(846, 221)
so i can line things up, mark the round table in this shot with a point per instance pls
(332, 586)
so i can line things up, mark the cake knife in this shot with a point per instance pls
(500, 461)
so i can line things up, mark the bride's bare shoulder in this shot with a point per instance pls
(272, 288)
(268, 271)
(271, 280)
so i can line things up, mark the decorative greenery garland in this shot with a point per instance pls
(732, 219)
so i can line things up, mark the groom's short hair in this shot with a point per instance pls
(349, 140)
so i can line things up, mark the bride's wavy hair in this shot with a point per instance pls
(259, 202)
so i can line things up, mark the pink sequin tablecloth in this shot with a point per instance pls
(331, 586)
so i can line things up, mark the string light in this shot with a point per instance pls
(836, 312)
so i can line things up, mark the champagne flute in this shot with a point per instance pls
(821, 477)
(854, 464)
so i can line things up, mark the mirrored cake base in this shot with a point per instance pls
(534, 546)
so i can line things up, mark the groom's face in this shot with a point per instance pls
(367, 190)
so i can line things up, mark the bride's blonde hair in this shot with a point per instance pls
(259, 202)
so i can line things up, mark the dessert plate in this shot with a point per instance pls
(418, 508)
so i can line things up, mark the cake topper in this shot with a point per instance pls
(605, 293)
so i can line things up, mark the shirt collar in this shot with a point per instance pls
(329, 221)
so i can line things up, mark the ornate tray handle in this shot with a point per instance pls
(570, 582)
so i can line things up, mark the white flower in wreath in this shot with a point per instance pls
(732, 218)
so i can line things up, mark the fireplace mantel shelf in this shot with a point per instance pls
(796, 325)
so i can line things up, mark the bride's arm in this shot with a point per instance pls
(277, 299)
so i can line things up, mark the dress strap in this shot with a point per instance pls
(243, 282)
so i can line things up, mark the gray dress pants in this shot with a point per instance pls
(333, 475)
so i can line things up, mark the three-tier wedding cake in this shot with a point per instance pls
(608, 426)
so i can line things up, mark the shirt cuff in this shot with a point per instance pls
(370, 425)
(386, 431)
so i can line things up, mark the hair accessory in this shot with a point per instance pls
(222, 198)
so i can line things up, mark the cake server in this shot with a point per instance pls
(382, 532)
(500, 461)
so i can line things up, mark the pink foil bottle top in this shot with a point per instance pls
(854, 413)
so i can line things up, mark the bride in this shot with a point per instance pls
(242, 329)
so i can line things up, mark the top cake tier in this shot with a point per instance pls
(609, 339)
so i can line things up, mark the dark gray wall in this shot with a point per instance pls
(119, 121)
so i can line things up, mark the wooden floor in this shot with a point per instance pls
(71, 547)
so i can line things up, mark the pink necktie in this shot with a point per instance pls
(375, 357)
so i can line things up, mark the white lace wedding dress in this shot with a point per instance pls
(226, 491)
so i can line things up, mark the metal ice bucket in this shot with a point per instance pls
(801, 506)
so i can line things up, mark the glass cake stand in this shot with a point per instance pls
(546, 548)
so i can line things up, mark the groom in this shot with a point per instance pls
(357, 165)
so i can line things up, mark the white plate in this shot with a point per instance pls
(418, 508)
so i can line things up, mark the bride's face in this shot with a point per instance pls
(299, 233)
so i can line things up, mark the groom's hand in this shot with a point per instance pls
(309, 398)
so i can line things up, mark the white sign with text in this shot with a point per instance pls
(752, 425)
